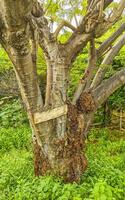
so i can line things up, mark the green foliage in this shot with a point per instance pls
(57, 9)
(5, 63)
(117, 100)
(103, 180)
(106, 163)
(102, 191)
(41, 63)
(12, 114)
(64, 37)
(14, 138)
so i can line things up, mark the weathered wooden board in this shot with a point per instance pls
(50, 114)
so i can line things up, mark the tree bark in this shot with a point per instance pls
(64, 138)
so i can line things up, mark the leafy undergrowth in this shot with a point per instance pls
(103, 180)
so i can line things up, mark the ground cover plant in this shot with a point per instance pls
(103, 180)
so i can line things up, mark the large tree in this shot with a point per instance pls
(59, 124)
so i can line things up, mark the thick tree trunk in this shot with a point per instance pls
(64, 155)
(62, 138)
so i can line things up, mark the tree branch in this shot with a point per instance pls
(15, 41)
(107, 62)
(41, 21)
(106, 44)
(108, 87)
(90, 24)
(86, 79)
(112, 19)
(117, 11)
(63, 23)
(34, 41)
(48, 83)
(101, 9)
(107, 3)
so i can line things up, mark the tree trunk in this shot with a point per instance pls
(66, 152)
(62, 138)
(64, 155)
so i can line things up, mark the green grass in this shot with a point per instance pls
(103, 180)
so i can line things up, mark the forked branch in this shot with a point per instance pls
(91, 21)
(112, 19)
(107, 62)
(63, 23)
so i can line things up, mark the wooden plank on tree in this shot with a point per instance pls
(50, 114)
